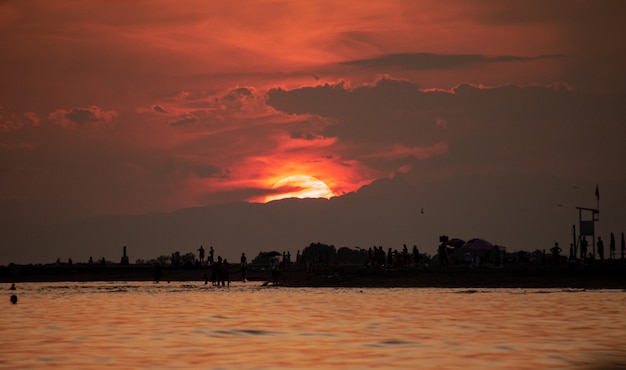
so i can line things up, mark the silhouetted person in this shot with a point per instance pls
(13, 299)
(405, 255)
(243, 265)
(211, 253)
(201, 254)
(623, 245)
(218, 270)
(583, 248)
(612, 247)
(601, 248)
(213, 275)
(12, 287)
(498, 258)
(225, 272)
(275, 267)
(416, 255)
(556, 253)
(442, 253)
(90, 260)
(125, 260)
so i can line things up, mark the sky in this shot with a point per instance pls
(130, 108)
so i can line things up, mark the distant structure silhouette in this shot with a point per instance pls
(124, 260)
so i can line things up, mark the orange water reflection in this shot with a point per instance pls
(145, 325)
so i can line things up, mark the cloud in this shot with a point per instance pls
(427, 61)
(236, 99)
(471, 127)
(401, 151)
(390, 112)
(200, 110)
(15, 121)
(185, 121)
(208, 171)
(82, 117)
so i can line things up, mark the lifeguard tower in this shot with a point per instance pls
(587, 218)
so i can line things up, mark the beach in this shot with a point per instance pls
(609, 275)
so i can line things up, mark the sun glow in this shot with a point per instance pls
(300, 186)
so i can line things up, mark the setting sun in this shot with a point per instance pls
(300, 186)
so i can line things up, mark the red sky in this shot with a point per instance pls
(124, 107)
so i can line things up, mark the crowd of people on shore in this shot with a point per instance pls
(218, 270)
(376, 257)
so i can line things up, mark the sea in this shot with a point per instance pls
(189, 325)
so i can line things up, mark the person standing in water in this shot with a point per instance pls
(243, 261)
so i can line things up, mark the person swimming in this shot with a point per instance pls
(13, 287)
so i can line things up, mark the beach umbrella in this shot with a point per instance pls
(477, 244)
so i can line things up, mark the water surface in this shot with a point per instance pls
(139, 325)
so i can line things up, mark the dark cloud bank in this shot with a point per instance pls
(427, 61)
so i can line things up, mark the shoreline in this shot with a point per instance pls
(601, 276)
